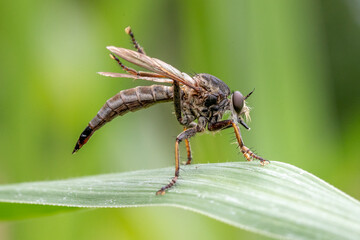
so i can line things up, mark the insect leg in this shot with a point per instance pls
(134, 72)
(248, 154)
(177, 101)
(125, 68)
(182, 136)
(188, 150)
(136, 44)
(219, 125)
(186, 119)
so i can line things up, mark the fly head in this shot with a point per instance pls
(239, 108)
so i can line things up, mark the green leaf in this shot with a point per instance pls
(277, 200)
(15, 211)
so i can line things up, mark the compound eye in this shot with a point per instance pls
(238, 101)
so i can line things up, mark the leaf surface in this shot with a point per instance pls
(276, 200)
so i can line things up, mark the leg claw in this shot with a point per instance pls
(160, 192)
(264, 162)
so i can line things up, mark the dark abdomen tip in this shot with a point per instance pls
(84, 137)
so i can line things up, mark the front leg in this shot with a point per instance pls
(182, 136)
(248, 154)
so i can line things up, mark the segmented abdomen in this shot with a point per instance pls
(126, 100)
(131, 100)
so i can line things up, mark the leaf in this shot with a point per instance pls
(276, 200)
(14, 211)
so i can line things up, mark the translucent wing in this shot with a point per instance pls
(155, 65)
(124, 75)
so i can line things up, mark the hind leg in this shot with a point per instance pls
(133, 71)
(136, 44)
(182, 136)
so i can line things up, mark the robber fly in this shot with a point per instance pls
(203, 97)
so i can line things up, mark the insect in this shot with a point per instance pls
(200, 102)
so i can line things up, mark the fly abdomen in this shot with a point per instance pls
(84, 137)
(126, 100)
(131, 100)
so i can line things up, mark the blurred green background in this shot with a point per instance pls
(301, 56)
